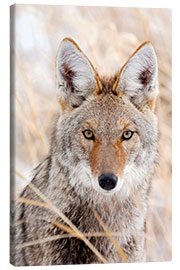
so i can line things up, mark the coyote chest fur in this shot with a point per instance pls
(102, 156)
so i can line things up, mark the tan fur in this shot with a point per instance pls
(120, 158)
(151, 103)
(94, 157)
(63, 105)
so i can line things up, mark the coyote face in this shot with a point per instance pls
(107, 133)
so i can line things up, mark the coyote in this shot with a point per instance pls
(98, 171)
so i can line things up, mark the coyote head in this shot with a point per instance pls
(107, 132)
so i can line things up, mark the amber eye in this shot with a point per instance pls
(127, 134)
(88, 134)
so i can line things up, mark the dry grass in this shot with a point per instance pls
(72, 229)
(38, 33)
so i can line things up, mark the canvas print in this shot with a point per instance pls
(90, 135)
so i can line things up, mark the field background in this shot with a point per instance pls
(108, 36)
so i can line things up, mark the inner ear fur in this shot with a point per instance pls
(76, 76)
(137, 79)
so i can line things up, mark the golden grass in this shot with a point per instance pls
(72, 229)
(35, 93)
(64, 218)
(32, 202)
(70, 232)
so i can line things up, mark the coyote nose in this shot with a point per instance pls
(107, 181)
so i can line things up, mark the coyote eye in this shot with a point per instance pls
(88, 134)
(127, 134)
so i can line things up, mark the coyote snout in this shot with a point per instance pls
(107, 162)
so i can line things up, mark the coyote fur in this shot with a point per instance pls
(102, 156)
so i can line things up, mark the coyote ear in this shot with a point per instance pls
(76, 77)
(138, 77)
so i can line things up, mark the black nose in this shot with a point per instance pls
(107, 181)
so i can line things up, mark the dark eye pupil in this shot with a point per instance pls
(88, 134)
(127, 135)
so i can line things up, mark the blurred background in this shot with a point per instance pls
(108, 36)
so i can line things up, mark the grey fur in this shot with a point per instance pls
(65, 177)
